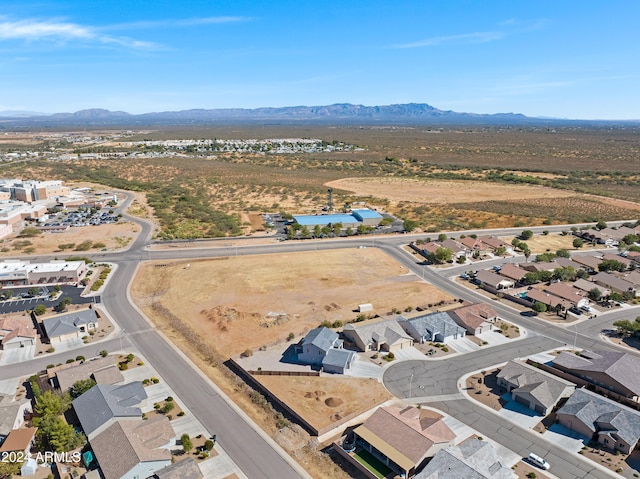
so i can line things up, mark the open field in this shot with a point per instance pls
(110, 236)
(200, 195)
(442, 191)
(325, 400)
(251, 301)
(551, 243)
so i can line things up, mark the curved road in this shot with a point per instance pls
(426, 381)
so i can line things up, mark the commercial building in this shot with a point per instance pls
(22, 273)
(354, 219)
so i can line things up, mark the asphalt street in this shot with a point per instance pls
(256, 455)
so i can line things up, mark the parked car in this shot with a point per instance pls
(538, 461)
(585, 308)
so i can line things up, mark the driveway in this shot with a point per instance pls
(18, 355)
(408, 353)
(463, 345)
(362, 368)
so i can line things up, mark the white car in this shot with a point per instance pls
(585, 308)
(538, 461)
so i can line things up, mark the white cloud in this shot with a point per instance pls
(464, 38)
(38, 30)
(186, 22)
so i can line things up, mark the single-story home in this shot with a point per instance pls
(493, 280)
(133, 448)
(402, 439)
(587, 286)
(614, 283)
(512, 271)
(614, 370)
(16, 334)
(77, 324)
(552, 301)
(613, 425)
(588, 262)
(377, 335)
(536, 389)
(575, 296)
(471, 458)
(185, 469)
(19, 440)
(338, 361)
(432, 327)
(476, 318)
(12, 414)
(314, 346)
(65, 375)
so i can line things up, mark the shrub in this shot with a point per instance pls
(246, 353)
(391, 355)
(181, 413)
(40, 309)
(103, 353)
(80, 358)
(123, 366)
(290, 337)
(168, 406)
(51, 350)
(208, 445)
(155, 380)
(169, 399)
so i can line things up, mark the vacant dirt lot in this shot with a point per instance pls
(323, 400)
(251, 301)
(442, 192)
(552, 242)
(111, 236)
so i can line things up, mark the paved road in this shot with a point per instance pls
(247, 447)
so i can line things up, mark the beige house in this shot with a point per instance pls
(402, 439)
(384, 335)
(476, 318)
(77, 324)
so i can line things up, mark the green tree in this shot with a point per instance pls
(336, 228)
(564, 274)
(601, 225)
(40, 309)
(208, 445)
(595, 294)
(578, 243)
(51, 404)
(55, 434)
(81, 386)
(409, 225)
(611, 265)
(443, 255)
(526, 235)
(62, 305)
(185, 440)
(515, 242)
(317, 231)
(33, 291)
(539, 307)
(9, 469)
(563, 253)
(500, 251)
(442, 237)
(304, 232)
(628, 328)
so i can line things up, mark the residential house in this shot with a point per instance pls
(575, 296)
(456, 247)
(322, 347)
(588, 262)
(16, 334)
(402, 439)
(608, 236)
(471, 459)
(437, 327)
(476, 318)
(19, 440)
(493, 243)
(381, 335)
(587, 286)
(513, 272)
(613, 370)
(538, 266)
(314, 346)
(568, 263)
(103, 404)
(430, 248)
(552, 301)
(77, 324)
(536, 389)
(613, 425)
(634, 278)
(185, 469)
(12, 414)
(493, 280)
(474, 245)
(133, 449)
(614, 283)
(65, 375)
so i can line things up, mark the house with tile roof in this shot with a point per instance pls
(471, 459)
(437, 327)
(103, 404)
(402, 439)
(134, 448)
(552, 301)
(575, 296)
(377, 335)
(476, 318)
(614, 283)
(536, 389)
(512, 271)
(67, 326)
(493, 280)
(587, 286)
(493, 242)
(16, 334)
(19, 440)
(588, 262)
(613, 425)
(456, 247)
(613, 370)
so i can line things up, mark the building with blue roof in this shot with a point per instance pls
(354, 219)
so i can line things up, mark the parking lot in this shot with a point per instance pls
(23, 301)
(82, 217)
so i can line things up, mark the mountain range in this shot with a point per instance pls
(343, 113)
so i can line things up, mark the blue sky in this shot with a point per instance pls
(569, 59)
